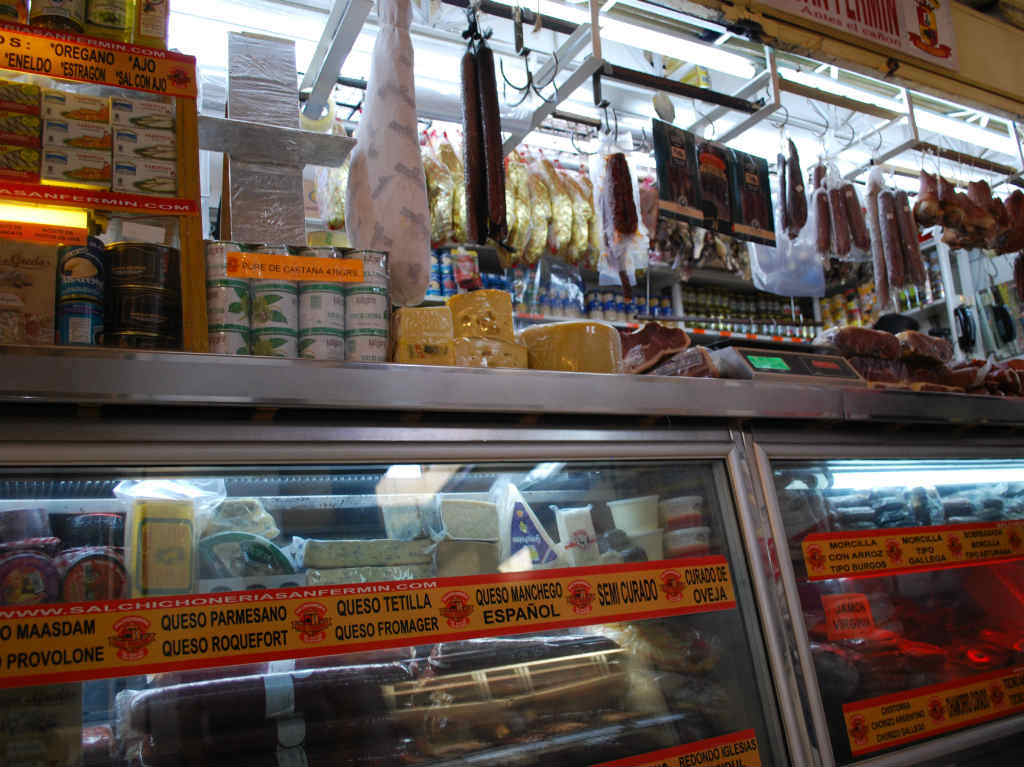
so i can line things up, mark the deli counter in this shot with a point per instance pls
(202, 563)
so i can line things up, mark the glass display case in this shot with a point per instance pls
(907, 593)
(502, 612)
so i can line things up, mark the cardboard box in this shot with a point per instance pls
(19, 97)
(19, 162)
(20, 128)
(139, 113)
(28, 285)
(146, 177)
(138, 144)
(62, 105)
(77, 166)
(76, 134)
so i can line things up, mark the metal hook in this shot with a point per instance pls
(572, 140)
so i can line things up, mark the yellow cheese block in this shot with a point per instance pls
(483, 314)
(424, 350)
(489, 353)
(578, 347)
(430, 321)
(423, 336)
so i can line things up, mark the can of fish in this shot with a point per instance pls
(142, 308)
(217, 257)
(366, 345)
(140, 263)
(321, 315)
(79, 323)
(234, 342)
(227, 303)
(274, 342)
(80, 272)
(130, 339)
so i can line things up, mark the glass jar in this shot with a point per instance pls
(58, 15)
(110, 19)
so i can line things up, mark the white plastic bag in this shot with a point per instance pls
(792, 267)
(622, 254)
(386, 203)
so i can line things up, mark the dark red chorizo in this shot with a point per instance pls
(891, 246)
(823, 221)
(783, 196)
(840, 223)
(494, 161)
(796, 196)
(912, 259)
(473, 152)
(855, 216)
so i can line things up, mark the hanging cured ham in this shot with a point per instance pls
(386, 204)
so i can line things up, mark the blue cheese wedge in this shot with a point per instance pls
(367, 574)
(466, 557)
(366, 553)
(469, 520)
(403, 523)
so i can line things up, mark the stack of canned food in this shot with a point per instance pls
(442, 275)
(612, 306)
(143, 296)
(306, 319)
(81, 283)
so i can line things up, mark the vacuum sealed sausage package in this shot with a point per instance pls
(617, 210)
(678, 186)
(714, 168)
(752, 199)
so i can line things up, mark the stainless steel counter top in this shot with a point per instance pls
(107, 376)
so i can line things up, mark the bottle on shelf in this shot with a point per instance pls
(58, 15)
(151, 21)
(111, 19)
(14, 10)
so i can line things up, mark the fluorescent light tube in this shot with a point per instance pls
(647, 39)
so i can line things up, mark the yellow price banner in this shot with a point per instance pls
(873, 553)
(278, 266)
(737, 749)
(44, 644)
(894, 720)
(91, 60)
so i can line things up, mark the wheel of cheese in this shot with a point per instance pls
(28, 578)
(92, 573)
(576, 347)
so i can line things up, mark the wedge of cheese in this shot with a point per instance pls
(468, 520)
(577, 347)
(367, 574)
(365, 553)
(489, 353)
(423, 336)
(483, 314)
(466, 557)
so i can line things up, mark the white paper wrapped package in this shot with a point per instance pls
(521, 533)
(386, 203)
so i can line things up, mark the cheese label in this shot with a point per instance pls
(737, 748)
(873, 553)
(894, 720)
(847, 616)
(44, 644)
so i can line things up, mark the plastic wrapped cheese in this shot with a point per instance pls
(431, 321)
(578, 347)
(489, 353)
(446, 154)
(560, 226)
(519, 223)
(423, 336)
(364, 553)
(540, 214)
(440, 198)
(483, 314)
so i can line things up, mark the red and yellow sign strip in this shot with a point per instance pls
(739, 749)
(92, 60)
(44, 644)
(278, 266)
(901, 718)
(46, 234)
(41, 194)
(872, 553)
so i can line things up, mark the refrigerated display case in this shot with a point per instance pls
(231, 592)
(901, 566)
